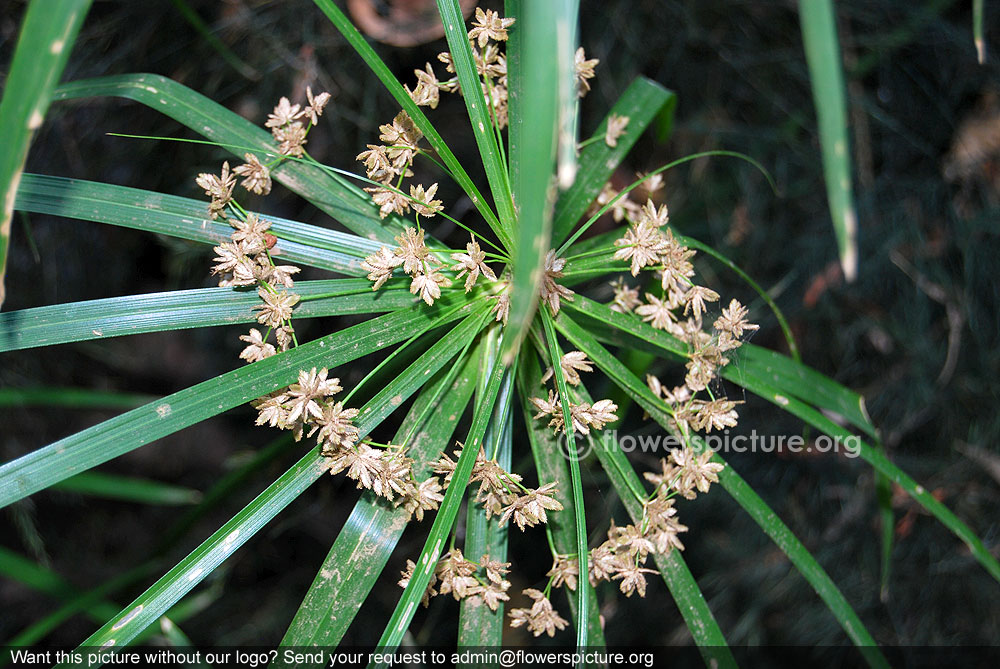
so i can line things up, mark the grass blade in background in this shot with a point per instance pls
(180, 309)
(128, 489)
(826, 73)
(185, 218)
(641, 102)
(45, 40)
(535, 155)
(977, 30)
(192, 17)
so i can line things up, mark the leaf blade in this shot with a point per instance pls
(47, 35)
(535, 155)
(185, 218)
(819, 36)
(182, 309)
(332, 194)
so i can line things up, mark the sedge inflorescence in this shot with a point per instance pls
(310, 409)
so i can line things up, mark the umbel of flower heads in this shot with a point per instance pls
(310, 410)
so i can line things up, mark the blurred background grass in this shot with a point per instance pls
(917, 333)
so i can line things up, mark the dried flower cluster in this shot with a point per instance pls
(389, 163)
(306, 409)
(286, 123)
(247, 259)
(678, 308)
(501, 492)
(464, 578)
(585, 416)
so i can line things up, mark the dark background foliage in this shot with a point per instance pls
(917, 333)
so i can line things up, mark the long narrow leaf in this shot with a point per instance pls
(479, 112)
(186, 219)
(93, 446)
(478, 625)
(535, 156)
(70, 398)
(977, 30)
(129, 489)
(826, 72)
(342, 200)
(177, 310)
(47, 35)
(584, 591)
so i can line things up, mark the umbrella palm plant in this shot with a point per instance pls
(477, 330)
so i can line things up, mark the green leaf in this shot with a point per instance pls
(977, 30)
(445, 518)
(744, 495)
(515, 93)
(345, 202)
(478, 626)
(70, 398)
(177, 310)
(584, 591)
(185, 218)
(91, 603)
(220, 47)
(93, 446)
(641, 102)
(819, 35)
(213, 551)
(381, 70)
(479, 113)
(550, 456)
(363, 546)
(877, 459)
(45, 41)
(129, 489)
(535, 153)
